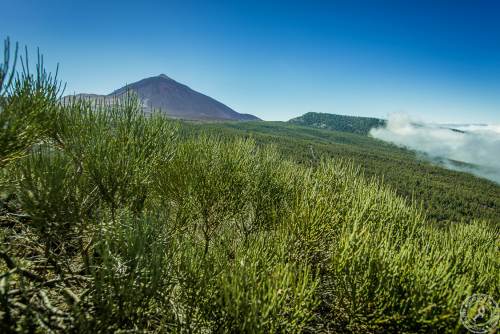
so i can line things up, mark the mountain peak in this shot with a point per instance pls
(179, 101)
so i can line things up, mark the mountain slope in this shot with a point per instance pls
(446, 195)
(175, 99)
(353, 124)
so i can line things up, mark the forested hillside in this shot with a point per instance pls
(447, 196)
(116, 222)
(353, 124)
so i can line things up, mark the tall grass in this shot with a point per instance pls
(112, 222)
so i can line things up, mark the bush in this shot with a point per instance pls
(54, 194)
(116, 147)
(111, 222)
(132, 277)
(26, 103)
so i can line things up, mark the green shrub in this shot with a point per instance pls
(110, 222)
(132, 277)
(53, 193)
(209, 182)
(117, 147)
(26, 103)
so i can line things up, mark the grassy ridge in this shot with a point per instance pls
(447, 196)
(112, 221)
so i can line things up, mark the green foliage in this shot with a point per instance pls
(447, 196)
(210, 181)
(254, 297)
(353, 124)
(116, 146)
(26, 101)
(113, 221)
(52, 192)
(226, 197)
(132, 277)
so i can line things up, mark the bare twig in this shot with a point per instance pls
(48, 305)
(8, 260)
(12, 265)
(71, 296)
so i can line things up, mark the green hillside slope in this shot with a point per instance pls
(447, 196)
(353, 124)
(116, 222)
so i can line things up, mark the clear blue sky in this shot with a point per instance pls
(436, 60)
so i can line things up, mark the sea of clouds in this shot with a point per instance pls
(477, 145)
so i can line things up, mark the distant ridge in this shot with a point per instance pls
(353, 124)
(175, 100)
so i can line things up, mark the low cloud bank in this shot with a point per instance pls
(472, 148)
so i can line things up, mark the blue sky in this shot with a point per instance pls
(438, 61)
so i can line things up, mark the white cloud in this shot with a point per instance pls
(477, 145)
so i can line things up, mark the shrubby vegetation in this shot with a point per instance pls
(353, 124)
(446, 196)
(113, 221)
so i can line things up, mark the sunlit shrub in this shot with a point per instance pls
(117, 147)
(119, 224)
(27, 101)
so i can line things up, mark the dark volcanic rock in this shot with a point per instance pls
(174, 99)
(179, 101)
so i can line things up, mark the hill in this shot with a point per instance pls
(446, 195)
(353, 124)
(174, 99)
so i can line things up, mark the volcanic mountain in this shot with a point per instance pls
(176, 100)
